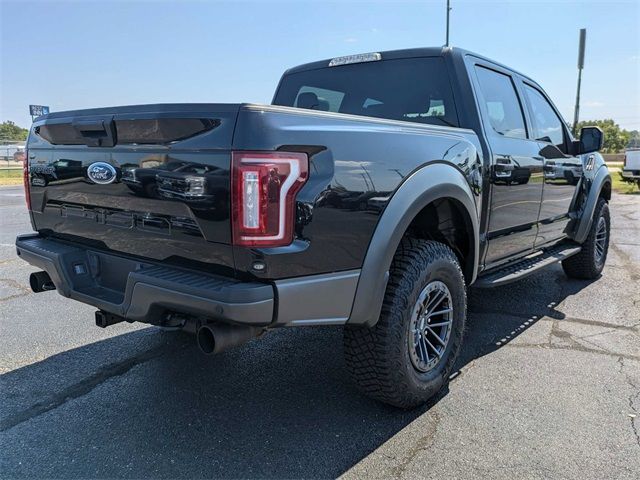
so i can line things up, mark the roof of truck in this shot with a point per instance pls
(409, 53)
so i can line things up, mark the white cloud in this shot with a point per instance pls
(351, 39)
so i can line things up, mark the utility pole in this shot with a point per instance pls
(448, 10)
(576, 112)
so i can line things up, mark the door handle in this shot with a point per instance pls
(503, 167)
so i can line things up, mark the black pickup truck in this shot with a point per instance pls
(372, 192)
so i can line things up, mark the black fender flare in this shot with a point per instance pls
(427, 184)
(600, 179)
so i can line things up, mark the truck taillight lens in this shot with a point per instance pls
(264, 188)
(25, 178)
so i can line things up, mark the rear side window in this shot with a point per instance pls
(547, 126)
(501, 101)
(412, 89)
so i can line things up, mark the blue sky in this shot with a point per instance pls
(99, 53)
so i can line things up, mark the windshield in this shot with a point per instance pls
(411, 89)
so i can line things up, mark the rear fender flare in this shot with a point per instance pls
(429, 183)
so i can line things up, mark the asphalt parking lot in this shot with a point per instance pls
(548, 386)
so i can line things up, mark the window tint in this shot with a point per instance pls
(319, 99)
(547, 126)
(413, 89)
(370, 101)
(501, 100)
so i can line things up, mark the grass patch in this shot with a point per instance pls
(12, 176)
(621, 186)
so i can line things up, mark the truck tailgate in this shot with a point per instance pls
(632, 160)
(101, 177)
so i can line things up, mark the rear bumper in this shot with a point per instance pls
(141, 291)
(633, 174)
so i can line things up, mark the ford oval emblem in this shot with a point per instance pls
(101, 172)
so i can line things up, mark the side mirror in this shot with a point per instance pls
(591, 139)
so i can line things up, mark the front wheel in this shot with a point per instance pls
(407, 357)
(588, 264)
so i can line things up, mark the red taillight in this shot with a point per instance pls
(264, 188)
(25, 178)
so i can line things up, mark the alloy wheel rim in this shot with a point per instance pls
(601, 240)
(430, 327)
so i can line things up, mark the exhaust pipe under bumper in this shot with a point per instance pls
(218, 337)
(41, 282)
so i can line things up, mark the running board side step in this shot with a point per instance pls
(523, 268)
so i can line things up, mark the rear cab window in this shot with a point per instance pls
(411, 89)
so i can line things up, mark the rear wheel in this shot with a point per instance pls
(588, 264)
(407, 357)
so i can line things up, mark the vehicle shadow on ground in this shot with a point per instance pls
(279, 407)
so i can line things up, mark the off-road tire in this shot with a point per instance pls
(584, 265)
(377, 357)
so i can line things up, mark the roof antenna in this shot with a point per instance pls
(448, 10)
(576, 112)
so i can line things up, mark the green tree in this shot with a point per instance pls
(11, 131)
(615, 138)
(634, 141)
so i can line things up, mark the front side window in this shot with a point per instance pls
(501, 101)
(547, 126)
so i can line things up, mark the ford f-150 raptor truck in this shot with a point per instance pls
(372, 192)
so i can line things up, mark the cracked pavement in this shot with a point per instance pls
(547, 386)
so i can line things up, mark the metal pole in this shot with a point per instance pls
(576, 112)
(448, 10)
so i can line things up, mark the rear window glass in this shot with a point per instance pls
(319, 99)
(413, 90)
